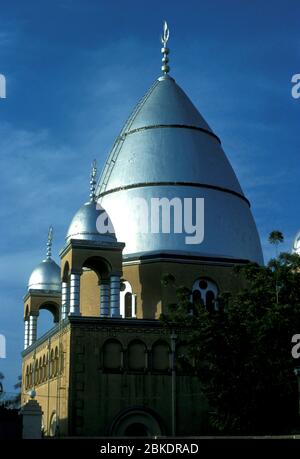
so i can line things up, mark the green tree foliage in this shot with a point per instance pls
(10, 400)
(276, 237)
(242, 352)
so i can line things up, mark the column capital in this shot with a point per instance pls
(104, 281)
(76, 271)
(33, 314)
(115, 274)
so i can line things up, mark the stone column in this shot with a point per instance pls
(75, 294)
(26, 333)
(115, 295)
(104, 298)
(133, 305)
(64, 300)
(32, 332)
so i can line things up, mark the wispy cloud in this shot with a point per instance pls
(73, 85)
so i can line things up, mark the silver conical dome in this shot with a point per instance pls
(166, 149)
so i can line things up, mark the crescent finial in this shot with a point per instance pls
(165, 51)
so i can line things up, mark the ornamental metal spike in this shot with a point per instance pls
(49, 242)
(165, 51)
(93, 181)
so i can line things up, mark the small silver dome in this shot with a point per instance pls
(86, 226)
(46, 277)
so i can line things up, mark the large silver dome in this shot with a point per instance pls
(45, 277)
(166, 149)
(84, 225)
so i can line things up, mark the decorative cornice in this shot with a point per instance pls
(191, 184)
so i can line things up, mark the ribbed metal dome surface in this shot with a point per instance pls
(84, 225)
(166, 149)
(45, 277)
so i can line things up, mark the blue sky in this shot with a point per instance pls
(74, 71)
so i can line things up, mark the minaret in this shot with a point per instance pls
(91, 247)
(44, 292)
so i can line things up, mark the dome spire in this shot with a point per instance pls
(165, 51)
(93, 181)
(49, 243)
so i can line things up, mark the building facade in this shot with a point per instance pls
(168, 203)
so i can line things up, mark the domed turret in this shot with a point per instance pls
(167, 150)
(91, 223)
(46, 276)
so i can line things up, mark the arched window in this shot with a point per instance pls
(136, 353)
(52, 364)
(47, 367)
(56, 359)
(36, 372)
(40, 377)
(27, 378)
(112, 355)
(44, 369)
(127, 301)
(30, 375)
(61, 361)
(160, 356)
(205, 291)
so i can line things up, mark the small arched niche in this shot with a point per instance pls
(205, 291)
(127, 301)
(136, 355)
(112, 355)
(160, 356)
